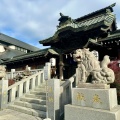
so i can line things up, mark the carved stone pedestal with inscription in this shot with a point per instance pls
(47, 119)
(93, 104)
(53, 100)
(95, 86)
(3, 93)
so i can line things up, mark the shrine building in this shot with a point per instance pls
(96, 31)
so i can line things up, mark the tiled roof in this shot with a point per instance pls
(10, 40)
(101, 11)
(85, 23)
(112, 35)
(83, 26)
(9, 53)
(39, 53)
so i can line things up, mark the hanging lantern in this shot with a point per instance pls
(66, 56)
(53, 61)
(70, 54)
(118, 63)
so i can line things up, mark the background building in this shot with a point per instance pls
(10, 47)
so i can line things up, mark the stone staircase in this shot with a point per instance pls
(33, 103)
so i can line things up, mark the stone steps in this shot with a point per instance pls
(29, 111)
(42, 86)
(33, 100)
(33, 103)
(38, 93)
(43, 97)
(40, 89)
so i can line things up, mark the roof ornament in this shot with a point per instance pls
(108, 11)
(61, 14)
(113, 5)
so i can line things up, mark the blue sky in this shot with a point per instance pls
(34, 20)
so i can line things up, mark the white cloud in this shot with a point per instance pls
(34, 20)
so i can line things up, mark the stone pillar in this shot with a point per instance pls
(53, 100)
(61, 65)
(3, 93)
(12, 72)
(47, 71)
(29, 68)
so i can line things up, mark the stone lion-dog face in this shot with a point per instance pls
(78, 54)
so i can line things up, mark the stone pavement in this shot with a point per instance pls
(8, 114)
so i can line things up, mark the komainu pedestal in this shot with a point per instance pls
(93, 104)
(93, 99)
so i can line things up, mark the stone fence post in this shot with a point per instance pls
(12, 72)
(53, 99)
(3, 93)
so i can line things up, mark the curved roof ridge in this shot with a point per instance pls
(96, 12)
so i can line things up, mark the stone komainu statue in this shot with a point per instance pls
(105, 74)
(88, 65)
(27, 71)
(2, 71)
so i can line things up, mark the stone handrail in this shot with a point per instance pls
(24, 86)
(59, 94)
(17, 90)
(10, 75)
(65, 93)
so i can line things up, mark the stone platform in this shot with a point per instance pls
(93, 104)
(73, 112)
(93, 86)
(8, 114)
(95, 98)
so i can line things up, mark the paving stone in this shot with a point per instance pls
(8, 114)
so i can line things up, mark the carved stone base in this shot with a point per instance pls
(93, 86)
(93, 104)
(105, 99)
(47, 119)
(73, 112)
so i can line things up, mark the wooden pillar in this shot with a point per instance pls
(61, 65)
(119, 54)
